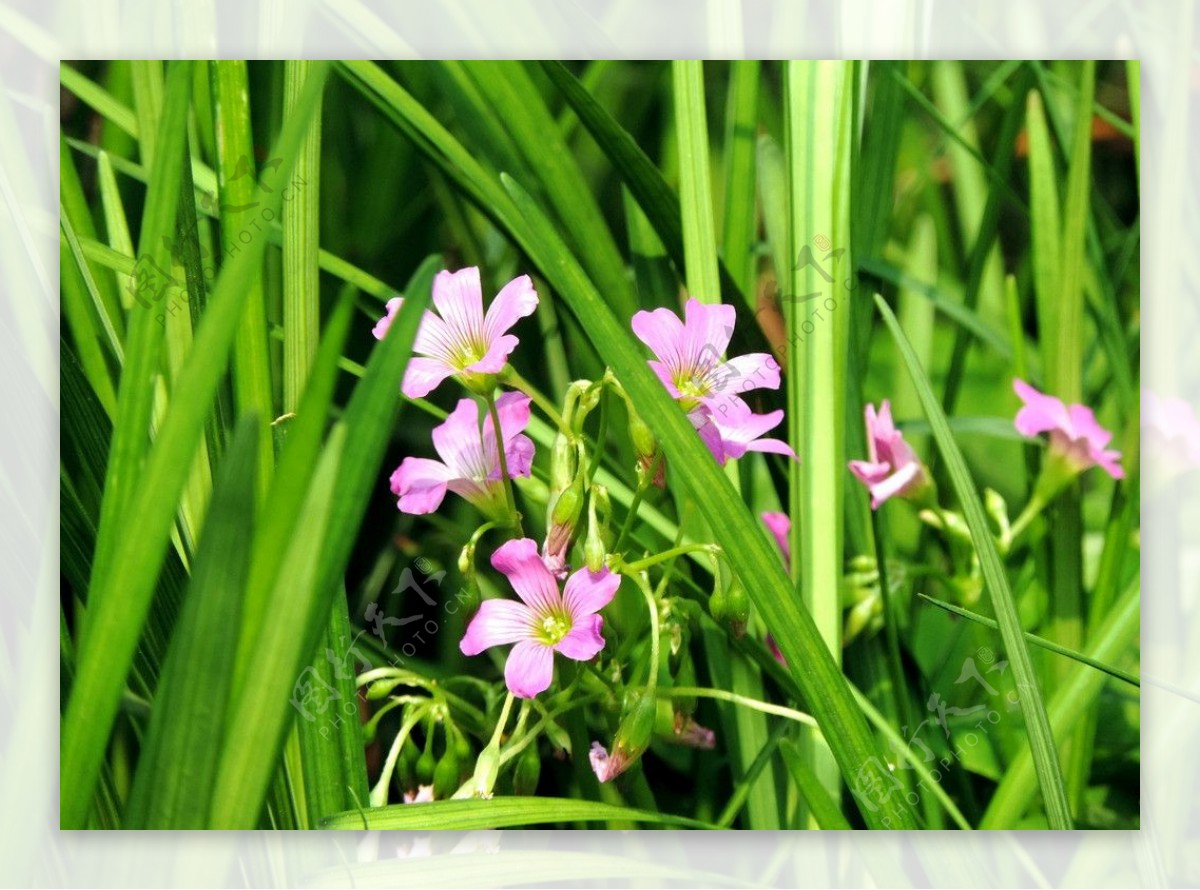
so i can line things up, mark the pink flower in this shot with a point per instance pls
(470, 464)
(1074, 433)
(606, 768)
(423, 794)
(689, 364)
(461, 340)
(544, 622)
(893, 468)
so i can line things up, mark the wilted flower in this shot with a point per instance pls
(460, 340)
(470, 464)
(544, 622)
(893, 468)
(1075, 435)
(689, 364)
(423, 794)
(631, 741)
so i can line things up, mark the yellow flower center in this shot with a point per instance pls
(554, 627)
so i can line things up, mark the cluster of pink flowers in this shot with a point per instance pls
(460, 340)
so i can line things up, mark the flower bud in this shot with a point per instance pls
(487, 767)
(595, 548)
(426, 765)
(528, 771)
(632, 738)
(564, 517)
(734, 605)
(445, 774)
(689, 733)
(563, 465)
(643, 439)
(406, 766)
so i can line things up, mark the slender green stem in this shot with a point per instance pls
(504, 712)
(640, 492)
(509, 498)
(734, 698)
(652, 605)
(643, 564)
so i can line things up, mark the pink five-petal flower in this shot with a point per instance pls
(470, 460)
(1075, 435)
(544, 621)
(460, 339)
(894, 468)
(689, 364)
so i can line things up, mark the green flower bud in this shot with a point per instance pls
(595, 548)
(632, 738)
(487, 767)
(643, 439)
(563, 465)
(445, 775)
(425, 766)
(406, 766)
(739, 609)
(528, 771)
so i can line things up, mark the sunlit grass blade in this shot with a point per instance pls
(738, 233)
(179, 756)
(1041, 742)
(1045, 229)
(236, 202)
(499, 812)
(817, 148)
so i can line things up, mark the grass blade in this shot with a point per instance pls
(179, 756)
(1041, 741)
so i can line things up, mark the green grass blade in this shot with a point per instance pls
(179, 756)
(1066, 382)
(237, 200)
(738, 234)
(826, 813)
(695, 186)
(99, 99)
(280, 649)
(260, 715)
(1048, 645)
(123, 577)
(1041, 741)
(1111, 641)
(499, 812)
(1045, 228)
(301, 243)
(817, 148)
(751, 556)
(522, 113)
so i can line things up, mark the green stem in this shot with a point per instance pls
(627, 525)
(652, 605)
(508, 486)
(504, 712)
(734, 698)
(643, 564)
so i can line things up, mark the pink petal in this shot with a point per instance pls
(757, 370)
(894, 484)
(497, 623)
(513, 408)
(662, 331)
(518, 560)
(869, 473)
(584, 642)
(529, 669)
(1109, 461)
(496, 357)
(423, 376)
(773, 446)
(600, 762)
(708, 327)
(458, 442)
(518, 454)
(1085, 426)
(516, 300)
(740, 427)
(459, 300)
(709, 434)
(420, 484)
(781, 527)
(586, 593)
(382, 326)
(1041, 413)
